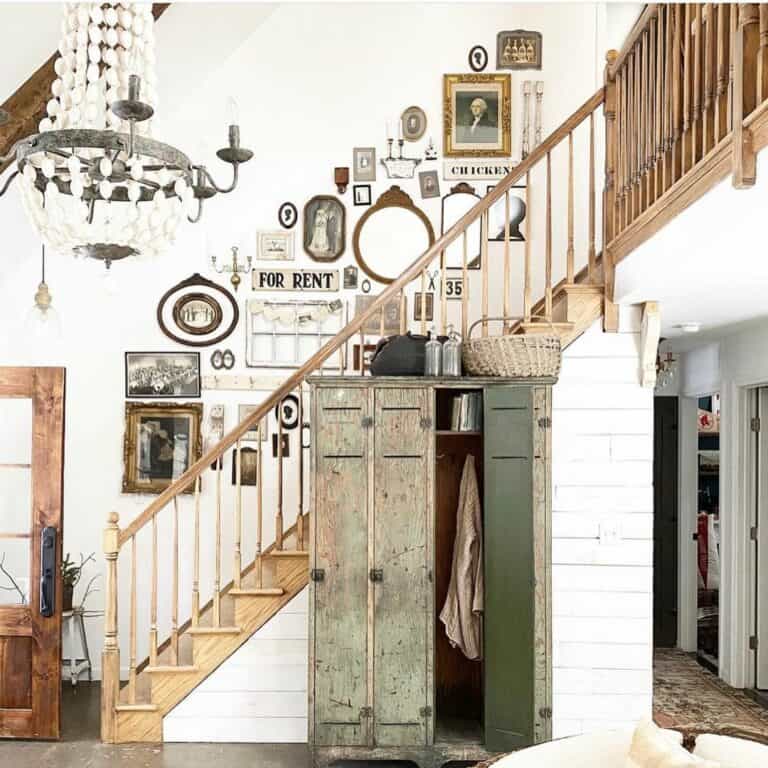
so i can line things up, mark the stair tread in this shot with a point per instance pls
(214, 630)
(257, 592)
(181, 669)
(136, 708)
(288, 553)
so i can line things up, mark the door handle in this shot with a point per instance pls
(48, 571)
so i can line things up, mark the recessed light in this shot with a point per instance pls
(689, 327)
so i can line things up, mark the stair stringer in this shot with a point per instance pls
(144, 724)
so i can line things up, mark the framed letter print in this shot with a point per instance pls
(477, 115)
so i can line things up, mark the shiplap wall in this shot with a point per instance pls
(602, 548)
(259, 694)
(602, 534)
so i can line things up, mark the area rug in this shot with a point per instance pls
(686, 694)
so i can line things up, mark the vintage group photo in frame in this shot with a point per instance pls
(162, 374)
(477, 112)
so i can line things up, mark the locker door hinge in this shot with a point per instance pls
(366, 712)
(753, 643)
(545, 713)
(376, 574)
(317, 574)
(425, 712)
(545, 422)
(753, 533)
(366, 422)
(754, 424)
(425, 422)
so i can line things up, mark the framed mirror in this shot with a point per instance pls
(458, 202)
(391, 235)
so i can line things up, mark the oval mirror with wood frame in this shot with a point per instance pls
(391, 235)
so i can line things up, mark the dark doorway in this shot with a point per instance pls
(665, 522)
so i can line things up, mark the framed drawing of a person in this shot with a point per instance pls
(477, 115)
(324, 228)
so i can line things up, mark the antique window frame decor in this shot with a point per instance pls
(197, 288)
(477, 83)
(192, 357)
(394, 197)
(134, 413)
(308, 238)
(454, 253)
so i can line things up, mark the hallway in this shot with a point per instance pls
(686, 694)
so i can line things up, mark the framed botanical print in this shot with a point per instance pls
(477, 115)
(161, 442)
(324, 228)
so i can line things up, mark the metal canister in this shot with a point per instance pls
(452, 354)
(433, 356)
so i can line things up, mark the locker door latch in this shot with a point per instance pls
(545, 713)
(366, 712)
(376, 574)
(317, 574)
(366, 422)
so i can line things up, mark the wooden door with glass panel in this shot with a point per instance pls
(31, 462)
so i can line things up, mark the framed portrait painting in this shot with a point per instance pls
(161, 442)
(324, 228)
(477, 115)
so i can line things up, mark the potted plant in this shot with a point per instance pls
(71, 574)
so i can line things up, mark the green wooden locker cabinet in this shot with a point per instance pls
(383, 501)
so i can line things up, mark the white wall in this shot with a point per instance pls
(602, 549)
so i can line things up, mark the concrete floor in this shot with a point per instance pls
(80, 746)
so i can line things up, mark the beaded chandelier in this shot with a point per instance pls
(93, 180)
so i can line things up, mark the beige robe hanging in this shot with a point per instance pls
(463, 609)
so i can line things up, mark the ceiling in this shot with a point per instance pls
(709, 265)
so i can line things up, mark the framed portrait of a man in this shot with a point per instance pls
(477, 115)
(324, 228)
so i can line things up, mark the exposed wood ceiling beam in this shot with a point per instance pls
(26, 107)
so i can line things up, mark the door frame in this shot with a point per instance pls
(687, 508)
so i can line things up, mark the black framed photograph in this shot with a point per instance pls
(428, 303)
(478, 58)
(249, 466)
(324, 228)
(162, 374)
(287, 215)
(364, 164)
(361, 194)
(429, 184)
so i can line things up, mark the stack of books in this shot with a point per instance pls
(467, 412)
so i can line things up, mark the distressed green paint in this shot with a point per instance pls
(341, 598)
(402, 616)
(509, 569)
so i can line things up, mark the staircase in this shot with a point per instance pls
(684, 105)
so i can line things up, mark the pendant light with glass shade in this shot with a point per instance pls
(43, 319)
(93, 180)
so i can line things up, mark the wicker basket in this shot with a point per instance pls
(511, 356)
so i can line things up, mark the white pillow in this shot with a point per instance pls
(731, 752)
(653, 748)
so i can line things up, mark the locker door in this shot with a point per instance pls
(401, 554)
(340, 584)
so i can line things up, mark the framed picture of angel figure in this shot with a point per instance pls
(477, 111)
(161, 442)
(324, 228)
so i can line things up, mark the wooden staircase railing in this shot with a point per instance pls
(686, 107)
(184, 497)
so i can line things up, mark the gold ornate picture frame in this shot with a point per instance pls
(477, 115)
(161, 442)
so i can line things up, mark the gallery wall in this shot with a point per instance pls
(312, 82)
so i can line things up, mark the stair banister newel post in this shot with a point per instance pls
(745, 48)
(110, 657)
(610, 202)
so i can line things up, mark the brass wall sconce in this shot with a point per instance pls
(235, 268)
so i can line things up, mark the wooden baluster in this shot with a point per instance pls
(279, 515)
(676, 92)
(624, 160)
(652, 114)
(609, 192)
(744, 94)
(707, 117)
(638, 131)
(721, 87)
(667, 159)
(110, 657)
(548, 265)
(659, 138)
(382, 319)
(762, 56)
(175, 585)
(217, 544)
(631, 144)
(196, 556)
(443, 296)
(464, 287)
(507, 309)
(300, 448)
(734, 25)
(644, 130)
(237, 564)
(132, 651)
(362, 352)
(403, 316)
(423, 299)
(686, 159)
(153, 599)
(696, 117)
(484, 266)
(527, 256)
(591, 254)
(618, 187)
(569, 268)
(259, 512)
